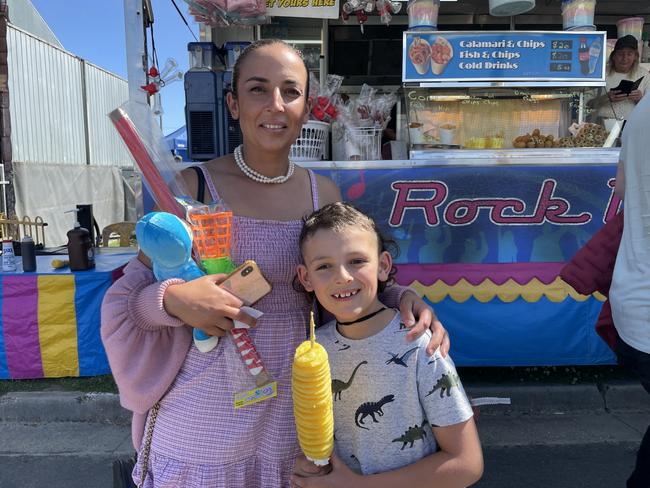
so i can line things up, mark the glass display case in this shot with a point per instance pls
(311, 53)
(495, 118)
(304, 34)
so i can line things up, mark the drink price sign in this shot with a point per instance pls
(518, 57)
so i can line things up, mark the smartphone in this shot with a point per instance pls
(247, 283)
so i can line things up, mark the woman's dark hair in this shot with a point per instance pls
(255, 46)
(338, 216)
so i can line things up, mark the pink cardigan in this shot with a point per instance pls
(145, 345)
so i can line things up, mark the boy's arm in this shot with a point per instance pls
(458, 464)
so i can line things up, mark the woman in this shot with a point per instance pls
(199, 439)
(623, 65)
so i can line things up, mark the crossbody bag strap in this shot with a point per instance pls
(147, 443)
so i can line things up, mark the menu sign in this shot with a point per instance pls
(320, 9)
(534, 57)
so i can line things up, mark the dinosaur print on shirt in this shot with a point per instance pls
(417, 432)
(338, 386)
(446, 382)
(379, 388)
(401, 360)
(371, 408)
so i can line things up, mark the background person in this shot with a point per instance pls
(623, 64)
(199, 439)
(629, 294)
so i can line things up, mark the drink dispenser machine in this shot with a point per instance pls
(211, 131)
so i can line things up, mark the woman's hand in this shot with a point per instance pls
(204, 305)
(635, 95)
(340, 477)
(411, 306)
(616, 96)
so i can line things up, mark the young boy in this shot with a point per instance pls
(400, 417)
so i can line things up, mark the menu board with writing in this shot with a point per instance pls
(516, 56)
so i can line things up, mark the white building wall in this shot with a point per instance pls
(104, 93)
(58, 106)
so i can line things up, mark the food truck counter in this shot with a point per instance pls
(518, 156)
(483, 235)
(485, 157)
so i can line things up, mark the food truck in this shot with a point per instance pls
(499, 172)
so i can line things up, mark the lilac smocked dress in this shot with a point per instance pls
(199, 439)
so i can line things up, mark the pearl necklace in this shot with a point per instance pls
(254, 175)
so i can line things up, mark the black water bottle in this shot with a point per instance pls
(28, 253)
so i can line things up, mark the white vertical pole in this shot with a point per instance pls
(135, 54)
(324, 51)
(136, 74)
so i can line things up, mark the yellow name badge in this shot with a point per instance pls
(256, 395)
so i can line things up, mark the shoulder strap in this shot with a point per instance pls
(314, 189)
(210, 183)
(205, 179)
(200, 193)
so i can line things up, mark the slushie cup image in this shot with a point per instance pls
(420, 55)
(441, 54)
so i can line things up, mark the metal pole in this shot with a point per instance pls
(136, 55)
(324, 48)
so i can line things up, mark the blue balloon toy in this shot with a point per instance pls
(167, 242)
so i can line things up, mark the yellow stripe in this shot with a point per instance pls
(57, 326)
(487, 290)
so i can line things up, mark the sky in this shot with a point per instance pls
(94, 31)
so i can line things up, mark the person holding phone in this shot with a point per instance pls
(198, 438)
(627, 82)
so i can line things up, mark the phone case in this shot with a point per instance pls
(247, 283)
(627, 86)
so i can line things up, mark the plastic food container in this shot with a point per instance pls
(423, 14)
(507, 8)
(311, 144)
(630, 26)
(578, 14)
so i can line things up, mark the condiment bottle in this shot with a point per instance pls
(8, 256)
(28, 253)
(80, 247)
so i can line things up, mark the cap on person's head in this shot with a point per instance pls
(626, 41)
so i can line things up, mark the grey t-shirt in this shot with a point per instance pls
(387, 395)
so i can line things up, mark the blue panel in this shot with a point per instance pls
(90, 288)
(500, 214)
(519, 333)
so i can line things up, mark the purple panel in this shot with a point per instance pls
(498, 273)
(20, 324)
